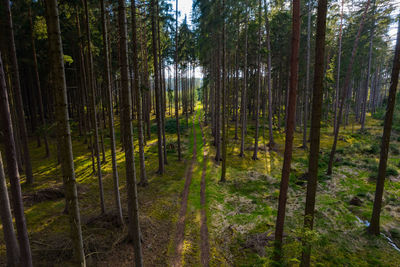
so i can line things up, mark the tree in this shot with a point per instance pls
(93, 112)
(13, 174)
(157, 88)
(316, 115)
(110, 114)
(143, 176)
(63, 129)
(133, 207)
(345, 90)
(290, 123)
(10, 239)
(224, 131)
(244, 89)
(12, 58)
(387, 128)
(176, 96)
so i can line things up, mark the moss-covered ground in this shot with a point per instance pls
(240, 213)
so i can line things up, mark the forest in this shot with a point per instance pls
(239, 133)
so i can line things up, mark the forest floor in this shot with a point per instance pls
(228, 223)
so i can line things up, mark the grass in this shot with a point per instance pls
(237, 210)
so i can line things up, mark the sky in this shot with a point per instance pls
(185, 8)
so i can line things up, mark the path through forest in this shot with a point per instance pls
(183, 214)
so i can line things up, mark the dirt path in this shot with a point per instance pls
(204, 245)
(180, 225)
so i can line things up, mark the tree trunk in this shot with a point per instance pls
(294, 67)
(224, 104)
(345, 90)
(244, 89)
(10, 239)
(157, 88)
(110, 115)
(143, 176)
(316, 115)
(307, 88)
(380, 182)
(178, 130)
(63, 130)
(12, 58)
(133, 207)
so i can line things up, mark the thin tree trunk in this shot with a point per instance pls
(12, 57)
(10, 239)
(143, 176)
(380, 182)
(316, 115)
(307, 88)
(338, 68)
(133, 207)
(178, 130)
(345, 90)
(93, 110)
(111, 115)
(157, 88)
(294, 67)
(244, 89)
(224, 104)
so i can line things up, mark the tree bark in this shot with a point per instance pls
(178, 130)
(133, 207)
(12, 58)
(380, 182)
(110, 114)
(290, 123)
(316, 115)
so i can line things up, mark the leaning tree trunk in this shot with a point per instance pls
(133, 206)
(12, 58)
(110, 115)
(338, 68)
(93, 112)
(13, 174)
(157, 88)
(63, 130)
(10, 239)
(380, 182)
(345, 90)
(176, 96)
(316, 115)
(143, 177)
(290, 123)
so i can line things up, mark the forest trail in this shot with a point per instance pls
(180, 225)
(205, 246)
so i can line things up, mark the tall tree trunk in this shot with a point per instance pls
(110, 114)
(307, 88)
(258, 89)
(271, 135)
(316, 115)
(345, 90)
(10, 239)
(38, 88)
(157, 88)
(133, 207)
(178, 130)
(338, 68)
(143, 176)
(244, 89)
(380, 182)
(12, 58)
(93, 111)
(63, 130)
(294, 67)
(224, 104)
